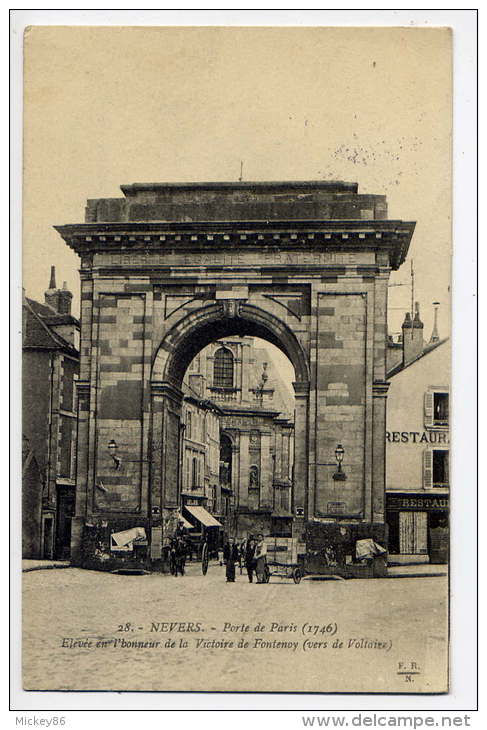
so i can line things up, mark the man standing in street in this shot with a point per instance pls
(230, 556)
(250, 557)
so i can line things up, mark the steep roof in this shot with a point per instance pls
(38, 328)
(49, 314)
(425, 351)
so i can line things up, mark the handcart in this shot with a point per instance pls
(282, 559)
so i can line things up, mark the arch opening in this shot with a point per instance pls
(216, 381)
(197, 330)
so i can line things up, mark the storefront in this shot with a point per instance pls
(418, 526)
(205, 528)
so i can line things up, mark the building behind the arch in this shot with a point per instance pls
(166, 270)
(234, 393)
(50, 365)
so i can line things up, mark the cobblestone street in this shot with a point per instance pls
(379, 623)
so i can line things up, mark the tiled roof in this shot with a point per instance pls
(49, 314)
(43, 310)
(38, 332)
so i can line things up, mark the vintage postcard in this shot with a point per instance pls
(236, 359)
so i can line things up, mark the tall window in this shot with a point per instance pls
(194, 474)
(440, 408)
(225, 460)
(223, 369)
(436, 408)
(440, 468)
(187, 478)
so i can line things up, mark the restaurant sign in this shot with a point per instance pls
(415, 502)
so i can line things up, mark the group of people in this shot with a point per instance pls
(251, 552)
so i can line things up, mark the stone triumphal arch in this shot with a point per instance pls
(169, 268)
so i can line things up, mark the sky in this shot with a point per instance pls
(105, 106)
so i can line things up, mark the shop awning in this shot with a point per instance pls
(203, 516)
(185, 522)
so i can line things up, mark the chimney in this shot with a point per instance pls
(52, 283)
(435, 337)
(58, 299)
(412, 336)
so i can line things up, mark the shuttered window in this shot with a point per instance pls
(428, 409)
(436, 408)
(427, 469)
(223, 369)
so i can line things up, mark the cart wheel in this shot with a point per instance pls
(204, 559)
(297, 575)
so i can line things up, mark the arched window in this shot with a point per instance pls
(223, 369)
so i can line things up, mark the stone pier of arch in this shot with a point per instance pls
(167, 269)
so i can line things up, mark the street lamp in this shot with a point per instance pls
(339, 475)
(112, 450)
(259, 391)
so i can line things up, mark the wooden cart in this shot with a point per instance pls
(283, 558)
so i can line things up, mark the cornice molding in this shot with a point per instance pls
(392, 236)
(167, 389)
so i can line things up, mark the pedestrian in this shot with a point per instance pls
(261, 559)
(173, 556)
(230, 556)
(180, 555)
(241, 553)
(250, 557)
(180, 531)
